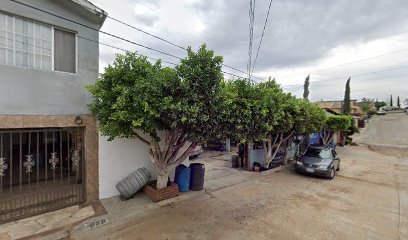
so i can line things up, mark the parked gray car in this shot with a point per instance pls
(319, 160)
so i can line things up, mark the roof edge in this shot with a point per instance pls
(91, 8)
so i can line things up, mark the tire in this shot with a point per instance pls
(338, 167)
(332, 173)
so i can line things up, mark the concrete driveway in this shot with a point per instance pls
(368, 199)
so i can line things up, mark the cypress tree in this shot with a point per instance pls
(398, 102)
(347, 100)
(306, 88)
(391, 102)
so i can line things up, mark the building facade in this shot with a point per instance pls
(48, 139)
(337, 106)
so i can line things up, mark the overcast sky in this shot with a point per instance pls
(328, 39)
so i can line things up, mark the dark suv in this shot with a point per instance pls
(319, 160)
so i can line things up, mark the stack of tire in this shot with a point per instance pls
(131, 184)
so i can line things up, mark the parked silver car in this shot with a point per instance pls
(319, 160)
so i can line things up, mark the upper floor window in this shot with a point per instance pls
(25, 43)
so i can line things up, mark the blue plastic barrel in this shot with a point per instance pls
(182, 177)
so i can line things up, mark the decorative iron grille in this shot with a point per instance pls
(40, 170)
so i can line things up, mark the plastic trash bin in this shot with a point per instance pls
(197, 176)
(182, 177)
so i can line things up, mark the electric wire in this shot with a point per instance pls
(260, 41)
(352, 62)
(352, 76)
(118, 37)
(156, 59)
(121, 38)
(147, 33)
(171, 43)
(251, 35)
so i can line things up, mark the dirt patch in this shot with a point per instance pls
(388, 150)
(365, 181)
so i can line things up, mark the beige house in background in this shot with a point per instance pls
(336, 106)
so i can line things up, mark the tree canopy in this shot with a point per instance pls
(172, 110)
(379, 104)
(134, 98)
(333, 124)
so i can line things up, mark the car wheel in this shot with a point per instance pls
(338, 167)
(332, 173)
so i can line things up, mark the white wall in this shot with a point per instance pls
(119, 158)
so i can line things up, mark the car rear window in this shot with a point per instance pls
(317, 153)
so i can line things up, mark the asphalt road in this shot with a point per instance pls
(368, 199)
(387, 129)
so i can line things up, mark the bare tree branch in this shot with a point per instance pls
(140, 137)
(184, 155)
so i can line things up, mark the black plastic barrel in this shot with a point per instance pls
(234, 161)
(197, 176)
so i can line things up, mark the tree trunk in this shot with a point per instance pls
(275, 145)
(327, 137)
(249, 156)
(166, 158)
(162, 179)
(285, 155)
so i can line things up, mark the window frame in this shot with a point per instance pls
(14, 17)
(76, 49)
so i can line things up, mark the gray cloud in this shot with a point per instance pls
(299, 33)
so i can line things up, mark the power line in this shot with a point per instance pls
(118, 37)
(355, 75)
(146, 6)
(251, 35)
(109, 34)
(95, 29)
(140, 30)
(352, 62)
(172, 43)
(122, 49)
(263, 31)
(363, 60)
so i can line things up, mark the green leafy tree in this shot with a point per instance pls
(333, 124)
(244, 114)
(367, 105)
(367, 99)
(347, 100)
(170, 110)
(295, 117)
(306, 88)
(263, 112)
(279, 108)
(380, 104)
(309, 120)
